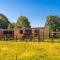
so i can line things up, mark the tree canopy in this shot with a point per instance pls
(3, 21)
(11, 26)
(23, 22)
(53, 23)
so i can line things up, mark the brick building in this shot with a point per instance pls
(26, 33)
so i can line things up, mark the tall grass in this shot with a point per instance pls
(29, 51)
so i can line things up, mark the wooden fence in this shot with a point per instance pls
(31, 37)
(25, 37)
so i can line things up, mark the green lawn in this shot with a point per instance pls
(29, 50)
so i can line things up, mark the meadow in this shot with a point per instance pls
(29, 50)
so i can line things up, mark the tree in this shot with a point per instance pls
(23, 22)
(3, 21)
(58, 26)
(52, 23)
(11, 26)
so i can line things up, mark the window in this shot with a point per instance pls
(36, 31)
(4, 32)
(7, 32)
(21, 31)
(10, 32)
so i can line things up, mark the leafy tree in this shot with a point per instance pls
(23, 22)
(58, 26)
(11, 26)
(53, 23)
(3, 21)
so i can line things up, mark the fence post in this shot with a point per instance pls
(52, 37)
(38, 37)
(16, 57)
(43, 35)
(16, 38)
(3, 38)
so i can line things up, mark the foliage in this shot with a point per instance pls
(3, 21)
(53, 23)
(11, 26)
(23, 22)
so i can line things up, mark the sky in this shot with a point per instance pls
(35, 10)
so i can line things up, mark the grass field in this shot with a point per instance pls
(29, 51)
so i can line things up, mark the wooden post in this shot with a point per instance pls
(52, 37)
(16, 57)
(43, 35)
(16, 38)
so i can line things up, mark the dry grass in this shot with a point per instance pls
(29, 51)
